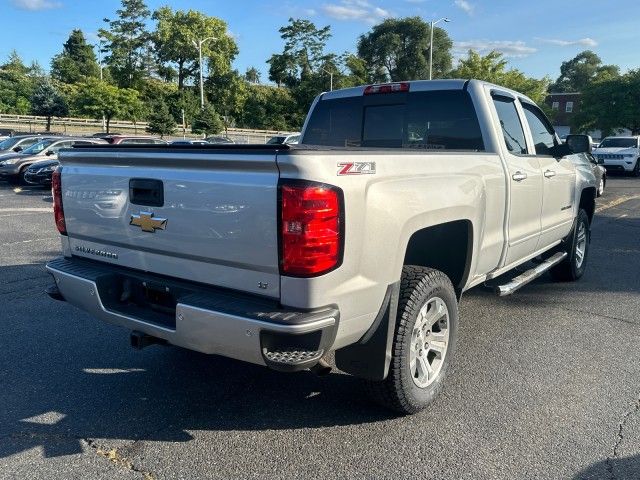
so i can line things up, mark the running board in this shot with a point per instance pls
(530, 275)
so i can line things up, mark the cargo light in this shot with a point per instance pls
(386, 88)
(311, 228)
(56, 193)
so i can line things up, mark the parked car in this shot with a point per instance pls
(190, 142)
(133, 140)
(218, 139)
(15, 168)
(291, 139)
(620, 154)
(40, 173)
(18, 143)
(280, 256)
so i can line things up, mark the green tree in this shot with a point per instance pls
(228, 92)
(252, 75)
(270, 108)
(174, 36)
(611, 105)
(398, 49)
(76, 61)
(579, 72)
(207, 121)
(48, 102)
(161, 122)
(127, 43)
(17, 83)
(303, 52)
(492, 67)
(100, 99)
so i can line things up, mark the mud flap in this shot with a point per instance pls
(370, 357)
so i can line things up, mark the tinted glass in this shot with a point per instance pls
(437, 120)
(619, 143)
(541, 130)
(37, 147)
(8, 143)
(512, 130)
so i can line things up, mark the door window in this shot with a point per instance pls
(512, 130)
(544, 137)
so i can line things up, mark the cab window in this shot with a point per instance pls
(544, 137)
(512, 130)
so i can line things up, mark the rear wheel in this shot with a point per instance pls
(577, 248)
(424, 341)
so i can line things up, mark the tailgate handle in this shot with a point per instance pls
(146, 191)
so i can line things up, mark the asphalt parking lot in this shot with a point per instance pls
(545, 385)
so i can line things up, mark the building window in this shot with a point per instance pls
(555, 105)
(569, 108)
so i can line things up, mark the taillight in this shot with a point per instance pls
(386, 88)
(56, 193)
(311, 229)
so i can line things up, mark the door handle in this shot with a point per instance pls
(549, 173)
(519, 176)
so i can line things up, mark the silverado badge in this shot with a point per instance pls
(147, 222)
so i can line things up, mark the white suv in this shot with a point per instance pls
(620, 154)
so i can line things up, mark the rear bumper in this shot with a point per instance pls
(208, 320)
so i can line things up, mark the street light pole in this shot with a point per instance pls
(433, 24)
(198, 44)
(330, 78)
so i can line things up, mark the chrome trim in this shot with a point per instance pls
(530, 275)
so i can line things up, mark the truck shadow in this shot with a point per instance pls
(628, 467)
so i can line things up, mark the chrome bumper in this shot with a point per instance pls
(206, 330)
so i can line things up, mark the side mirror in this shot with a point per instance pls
(580, 143)
(17, 149)
(50, 152)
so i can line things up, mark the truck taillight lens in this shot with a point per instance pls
(56, 193)
(311, 229)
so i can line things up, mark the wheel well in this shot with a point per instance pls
(446, 247)
(588, 201)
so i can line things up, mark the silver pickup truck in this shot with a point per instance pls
(359, 241)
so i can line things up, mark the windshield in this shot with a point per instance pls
(38, 147)
(9, 143)
(619, 143)
(434, 120)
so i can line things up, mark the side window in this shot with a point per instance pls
(512, 130)
(60, 145)
(544, 137)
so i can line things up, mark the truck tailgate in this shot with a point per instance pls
(217, 223)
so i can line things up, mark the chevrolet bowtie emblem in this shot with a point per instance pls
(146, 221)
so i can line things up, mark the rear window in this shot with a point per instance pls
(436, 120)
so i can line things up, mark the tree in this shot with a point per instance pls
(161, 121)
(228, 92)
(611, 105)
(207, 121)
(100, 99)
(174, 36)
(252, 75)
(17, 84)
(48, 102)
(579, 72)
(303, 52)
(270, 108)
(76, 61)
(492, 67)
(398, 49)
(127, 41)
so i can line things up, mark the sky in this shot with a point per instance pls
(535, 36)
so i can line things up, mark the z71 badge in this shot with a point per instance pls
(357, 168)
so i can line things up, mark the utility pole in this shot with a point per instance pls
(198, 44)
(433, 24)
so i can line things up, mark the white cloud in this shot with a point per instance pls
(465, 6)
(509, 48)
(583, 42)
(35, 5)
(355, 10)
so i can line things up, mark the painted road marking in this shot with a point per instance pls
(617, 202)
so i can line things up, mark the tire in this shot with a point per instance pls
(408, 387)
(573, 267)
(636, 169)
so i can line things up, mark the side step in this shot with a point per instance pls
(530, 275)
